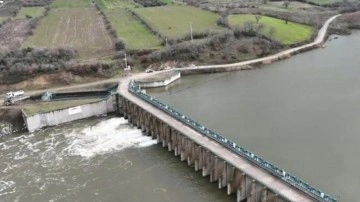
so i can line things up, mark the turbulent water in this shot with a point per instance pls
(34, 164)
(99, 159)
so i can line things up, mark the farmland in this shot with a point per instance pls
(80, 28)
(174, 21)
(130, 29)
(71, 4)
(111, 4)
(284, 33)
(30, 11)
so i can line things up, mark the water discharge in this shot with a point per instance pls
(35, 161)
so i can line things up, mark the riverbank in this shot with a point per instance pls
(318, 42)
(159, 80)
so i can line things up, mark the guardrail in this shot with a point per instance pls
(135, 89)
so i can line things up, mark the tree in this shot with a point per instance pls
(260, 27)
(119, 45)
(286, 18)
(257, 18)
(272, 31)
(286, 4)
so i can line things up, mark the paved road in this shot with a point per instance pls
(317, 41)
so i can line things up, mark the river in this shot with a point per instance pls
(302, 113)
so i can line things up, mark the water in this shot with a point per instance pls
(302, 114)
(99, 159)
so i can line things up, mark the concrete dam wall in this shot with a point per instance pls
(65, 115)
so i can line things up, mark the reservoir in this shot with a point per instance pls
(302, 114)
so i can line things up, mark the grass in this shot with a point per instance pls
(30, 11)
(2, 19)
(42, 107)
(71, 3)
(80, 28)
(284, 33)
(130, 29)
(112, 4)
(174, 20)
(279, 6)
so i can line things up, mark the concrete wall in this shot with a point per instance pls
(160, 83)
(69, 114)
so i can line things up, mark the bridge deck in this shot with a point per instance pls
(275, 184)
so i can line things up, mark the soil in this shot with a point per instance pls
(48, 81)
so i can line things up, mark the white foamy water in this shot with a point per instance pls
(107, 136)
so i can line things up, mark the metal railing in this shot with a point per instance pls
(135, 89)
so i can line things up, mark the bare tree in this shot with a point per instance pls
(257, 18)
(286, 4)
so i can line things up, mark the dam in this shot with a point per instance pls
(234, 168)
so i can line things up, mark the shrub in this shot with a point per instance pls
(119, 45)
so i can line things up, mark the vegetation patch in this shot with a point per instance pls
(30, 12)
(2, 19)
(36, 3)
(150, 3)
(290, 6)
(80, 28)
(284, 32)
(22, 64)
(71, 4)
(43, 107)
(9, 9)
(175, 21)
(111, 4)
(131, 30)
(15, 32)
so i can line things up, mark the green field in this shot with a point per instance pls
(325, 2)
(279, 6)
(71, 4)
(174, 21)
(285, 33)
(111, 4)
(30, 11)
(80, 28)
(2, 19)
(130, 29)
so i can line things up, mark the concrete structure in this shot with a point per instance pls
(160, 83)
(65, 115)
(235, 169)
